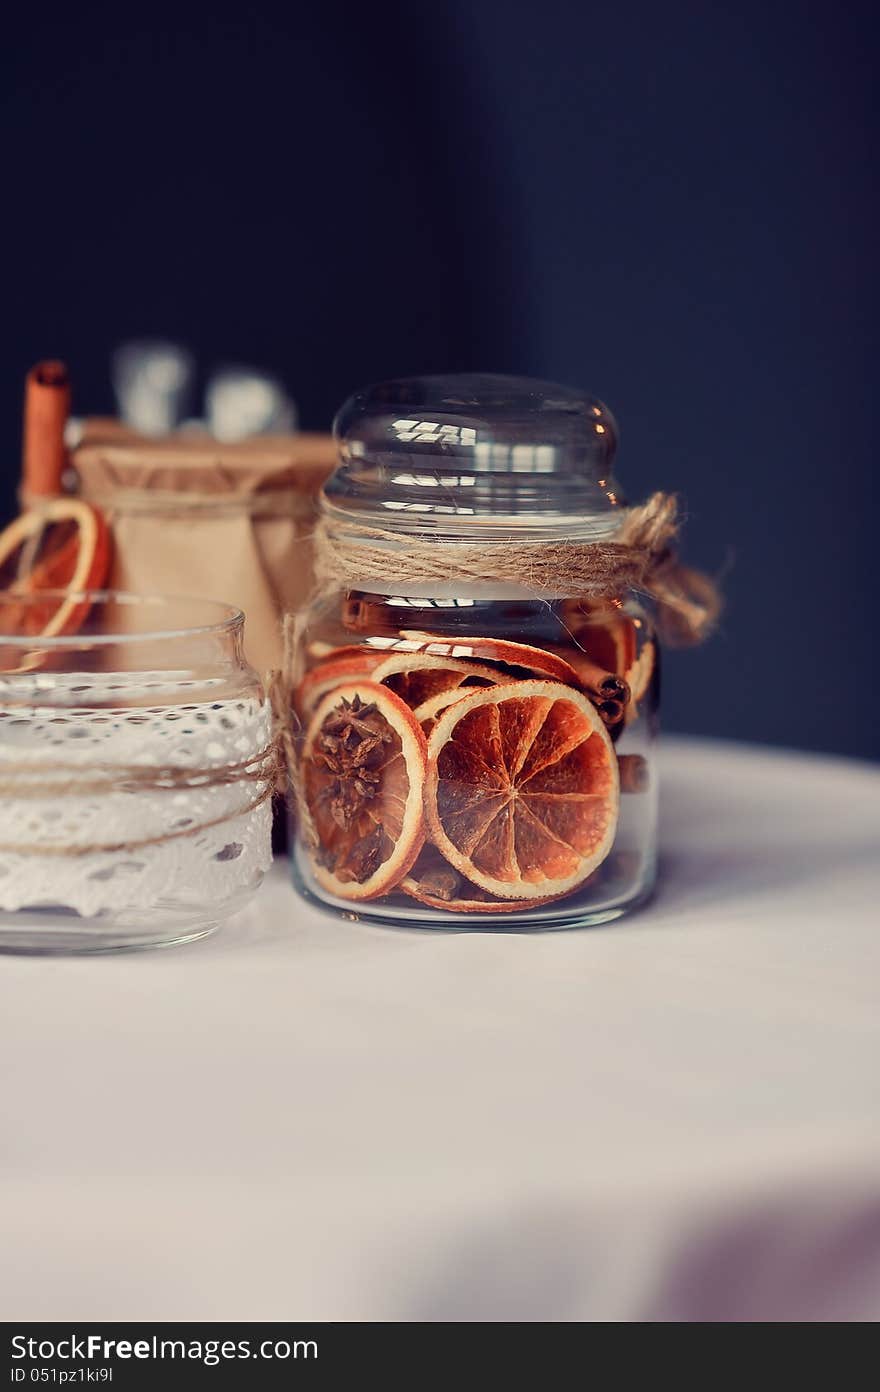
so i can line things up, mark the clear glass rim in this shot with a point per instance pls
(229, 619)
(489, 528)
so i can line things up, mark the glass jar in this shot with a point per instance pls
(136, 771)
(473, 750)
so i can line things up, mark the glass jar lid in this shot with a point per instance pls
(475, 452)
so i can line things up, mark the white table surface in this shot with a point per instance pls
(676, 1117)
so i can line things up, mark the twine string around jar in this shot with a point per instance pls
(21, 780)
(640, 556)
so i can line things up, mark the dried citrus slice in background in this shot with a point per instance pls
(363, 769)
(498, 650)
(421, 679)
(607, 637)
(418, 679)
(436, 884)
(428, 711)
(354, 662)
(639, 678)
(522, 791)
(71, 543)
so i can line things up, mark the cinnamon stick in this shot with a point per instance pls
(612, 713)
(46, 408)
(602, 685)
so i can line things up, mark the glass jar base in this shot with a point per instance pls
(52, 930)
(46, 941)
(557, 917)
(498, 924)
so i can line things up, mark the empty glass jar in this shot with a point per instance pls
(136, 771)
(474, 749)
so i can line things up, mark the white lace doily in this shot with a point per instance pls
(89, 721)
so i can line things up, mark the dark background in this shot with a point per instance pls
(670, 205)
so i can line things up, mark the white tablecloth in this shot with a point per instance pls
(672, 1118)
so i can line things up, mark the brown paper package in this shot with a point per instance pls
(191, 516)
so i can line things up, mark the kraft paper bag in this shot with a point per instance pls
(194, 517)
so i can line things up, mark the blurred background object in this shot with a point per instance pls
(671, 207)
(154, 386)
(153, 383)
(240, 402)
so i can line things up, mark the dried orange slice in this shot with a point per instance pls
(434, 883)
(608, 638)
(354, 662)
(75, 562)
(522, 790)
(428, 711)
(639, 678)
(427, 682)
(418, 679)
(363, 771)
(498, 650)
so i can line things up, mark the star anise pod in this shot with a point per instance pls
(351, 718)
(352, 748)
